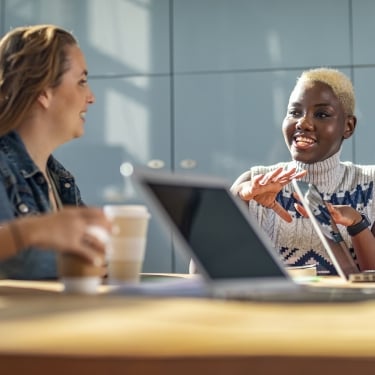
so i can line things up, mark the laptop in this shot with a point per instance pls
(233, 255)
(328, 232)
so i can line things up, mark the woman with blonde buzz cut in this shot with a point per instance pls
(320, 116)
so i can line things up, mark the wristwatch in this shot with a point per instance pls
(359, 227)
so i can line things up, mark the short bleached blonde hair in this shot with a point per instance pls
(340, 84)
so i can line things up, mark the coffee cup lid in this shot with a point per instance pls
(126, 210)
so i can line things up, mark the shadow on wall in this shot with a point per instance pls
(96, 168)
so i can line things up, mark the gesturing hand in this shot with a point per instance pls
(344, 215)
(341, 214)
(264, 188)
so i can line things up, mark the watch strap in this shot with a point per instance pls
(359, 227)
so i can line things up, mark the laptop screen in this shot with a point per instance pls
(326, 228)
(219, 235)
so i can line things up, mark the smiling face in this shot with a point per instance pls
(315, 124)
(69, 101)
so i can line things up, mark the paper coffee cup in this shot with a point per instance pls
(77, 274)
(127, 245)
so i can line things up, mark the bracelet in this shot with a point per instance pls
(359, 227)
(16, 236)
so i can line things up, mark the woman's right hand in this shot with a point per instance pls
(67, 231)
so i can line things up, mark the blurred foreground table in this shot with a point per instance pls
(46, 331)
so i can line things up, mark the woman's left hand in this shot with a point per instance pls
(341, 214)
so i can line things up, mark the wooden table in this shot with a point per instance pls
(46, 331)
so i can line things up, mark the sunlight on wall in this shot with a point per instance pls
(135, 32)
(127, 124)
(274, 46)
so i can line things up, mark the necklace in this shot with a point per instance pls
(49, 181)
(52, 192)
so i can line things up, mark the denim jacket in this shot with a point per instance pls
(24, 191)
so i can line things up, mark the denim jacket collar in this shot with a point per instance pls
(12, 145)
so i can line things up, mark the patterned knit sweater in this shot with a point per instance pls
(340, 183)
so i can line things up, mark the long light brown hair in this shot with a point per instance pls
(32, 58)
